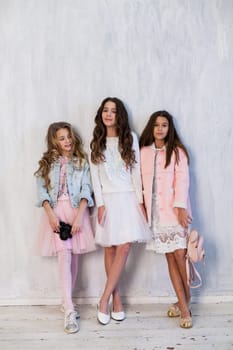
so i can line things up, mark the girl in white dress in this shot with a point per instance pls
(165, 177)
(115, 172)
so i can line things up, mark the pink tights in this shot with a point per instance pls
(68, 271)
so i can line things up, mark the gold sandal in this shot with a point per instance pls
(173, 311)
(186, 322)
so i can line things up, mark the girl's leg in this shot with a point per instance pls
(177, 283)
(109, 255)
(74, 269)
(74, 274)
(114, 274)
(181, 263)
(64, 267)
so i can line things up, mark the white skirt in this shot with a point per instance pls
(124, 221)
(167, 239)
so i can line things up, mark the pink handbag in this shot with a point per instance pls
(195, 253)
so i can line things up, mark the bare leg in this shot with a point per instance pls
(181, 263)
(114, 274)
(177, 283)
(109, 255)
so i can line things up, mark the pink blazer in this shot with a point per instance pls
(172, 184)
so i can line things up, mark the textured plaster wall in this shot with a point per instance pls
(58, 60)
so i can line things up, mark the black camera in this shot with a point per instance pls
(65, 230)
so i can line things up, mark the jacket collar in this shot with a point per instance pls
(158, 149)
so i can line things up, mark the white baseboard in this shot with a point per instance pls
(129, 300)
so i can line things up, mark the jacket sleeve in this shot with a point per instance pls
(136, 171)
(181, 182)
(42, 192)
(86, 187)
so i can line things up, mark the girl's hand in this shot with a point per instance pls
(143, 209)
(101, 214)
(78, 221)
(54, 222)
(77, 224)
(183, 217)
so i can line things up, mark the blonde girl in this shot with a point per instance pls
(64, 191)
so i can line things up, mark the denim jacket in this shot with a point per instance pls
(78, 184)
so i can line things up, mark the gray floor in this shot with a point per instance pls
(146, 327)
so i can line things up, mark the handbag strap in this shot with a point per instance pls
(192, 274)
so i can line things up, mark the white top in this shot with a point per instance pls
(113, 176)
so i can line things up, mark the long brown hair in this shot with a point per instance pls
(53, 150)
(98, 143)
(172, 139)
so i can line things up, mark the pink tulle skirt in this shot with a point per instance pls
(49, 242)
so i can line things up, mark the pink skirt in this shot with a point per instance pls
(49, 242)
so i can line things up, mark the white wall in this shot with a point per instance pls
(58, 60)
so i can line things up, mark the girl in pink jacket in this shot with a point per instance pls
(165, 179)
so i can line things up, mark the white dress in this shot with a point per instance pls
(120, 190)
(165, 238)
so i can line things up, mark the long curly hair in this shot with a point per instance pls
(54, 152)
(98, 143)
(172, 139)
